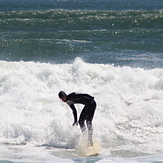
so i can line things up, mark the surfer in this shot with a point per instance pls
(86, 114)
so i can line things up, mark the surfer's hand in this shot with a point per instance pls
(75, 123)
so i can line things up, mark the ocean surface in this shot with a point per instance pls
(110, 49)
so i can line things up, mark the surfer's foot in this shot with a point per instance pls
(90, 143)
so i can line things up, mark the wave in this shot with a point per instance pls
(128, 119)
(125, 18)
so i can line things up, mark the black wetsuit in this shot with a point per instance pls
(87, 112)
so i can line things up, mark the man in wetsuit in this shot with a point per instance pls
(87, 112)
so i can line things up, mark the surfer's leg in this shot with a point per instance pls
(90, 132)
(82, 118)
(91, 111)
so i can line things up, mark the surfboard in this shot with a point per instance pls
(84, 149)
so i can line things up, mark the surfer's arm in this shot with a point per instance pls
(75, 114)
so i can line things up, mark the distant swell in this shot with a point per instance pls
(97, 36)
(109, 19)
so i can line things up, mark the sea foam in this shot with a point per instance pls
(127, 122)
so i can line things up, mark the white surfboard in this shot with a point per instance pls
(84, 149)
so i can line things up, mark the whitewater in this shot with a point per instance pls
(35, 126)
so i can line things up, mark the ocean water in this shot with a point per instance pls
(111, 49)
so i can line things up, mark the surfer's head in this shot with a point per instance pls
(62, 95)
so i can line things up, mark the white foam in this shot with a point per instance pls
(128, 120)
(28, 153)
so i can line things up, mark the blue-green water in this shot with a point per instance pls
(110, 32)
